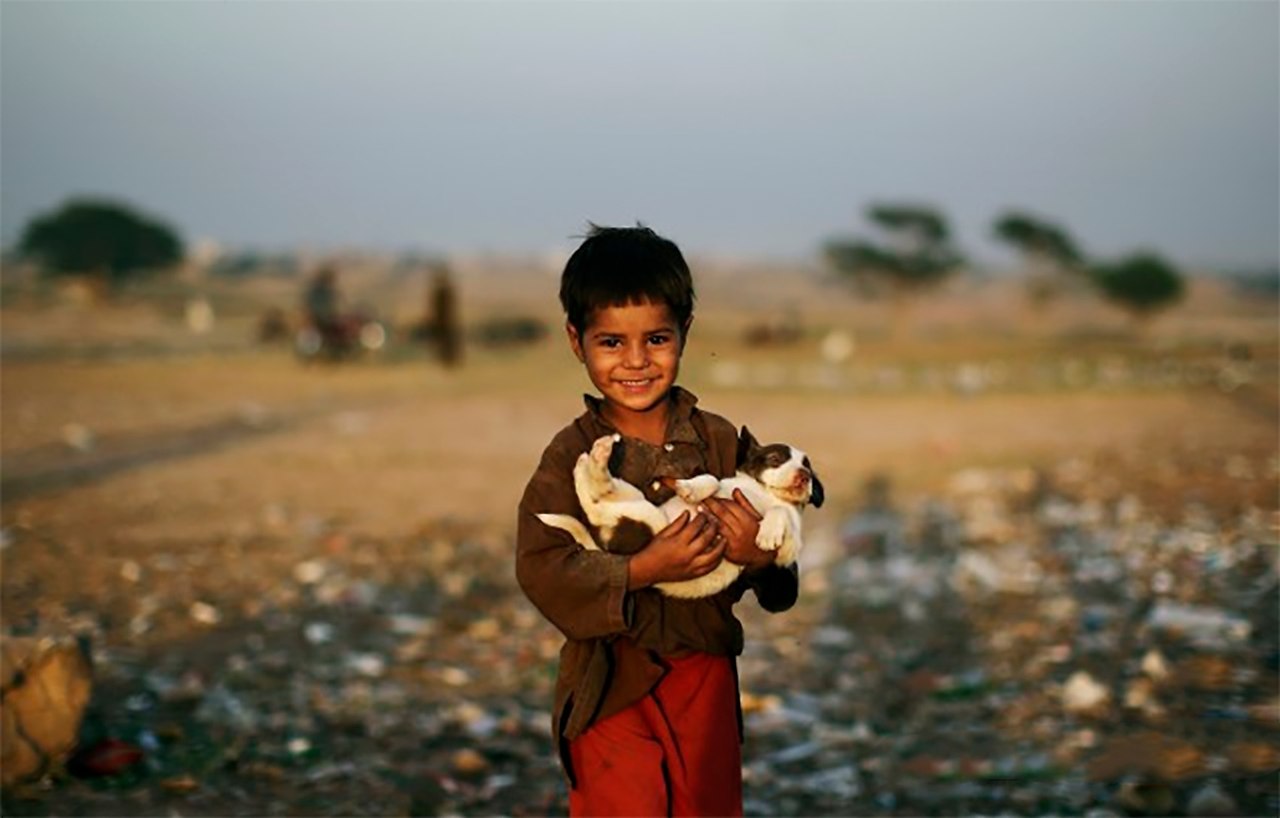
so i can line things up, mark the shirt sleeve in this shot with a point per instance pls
(582, 592)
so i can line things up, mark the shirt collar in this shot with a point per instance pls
(679, 422)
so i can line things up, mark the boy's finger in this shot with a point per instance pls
(737, 512)
(709, 559)
(704, 536)
(745, 504)
(736, 520)
(675, 525)
(697, 529)
(725, 511)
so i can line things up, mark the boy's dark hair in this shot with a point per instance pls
(616, 266)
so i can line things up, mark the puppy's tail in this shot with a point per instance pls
(572, 525)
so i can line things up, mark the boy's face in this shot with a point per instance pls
(632, 355)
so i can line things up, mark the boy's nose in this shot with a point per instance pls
(637, 356)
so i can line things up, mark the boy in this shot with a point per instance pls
(646, 716)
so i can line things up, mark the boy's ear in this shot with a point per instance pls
(746, 442)
(575, 341)
(684, 332)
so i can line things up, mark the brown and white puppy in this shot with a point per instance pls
(777, 479)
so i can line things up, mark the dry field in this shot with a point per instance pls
(141, 460)
(119, 423)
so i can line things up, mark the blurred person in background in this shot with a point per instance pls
(443, 317)
(320, 303)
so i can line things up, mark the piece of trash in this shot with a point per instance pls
(1200, 625)
(1155, 666)
(838, 347)
(78, 437)
(468, 761)
(318, 633)
(1083, 695)
(1210, 801)
(367, 664)
(108, 757)
(199, 315)
(205, 614)
(409, 625)
(130, 571)
(796, 752)
(309, 572)
(180, 784)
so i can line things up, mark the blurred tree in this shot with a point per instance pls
(915, 254)
(1050, 254)
(1141, 284)
(1037, 239)
(101, 238)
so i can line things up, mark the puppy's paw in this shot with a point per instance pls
(601, 450)
(789, 552)
(773, 532)
(598, 480)
(696, 489)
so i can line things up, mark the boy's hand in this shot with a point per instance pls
(686, 549)
(739, 524)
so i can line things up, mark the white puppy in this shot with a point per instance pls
(777, 479)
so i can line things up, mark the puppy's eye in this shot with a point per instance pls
(774, 459)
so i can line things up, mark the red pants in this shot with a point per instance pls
(675, 752)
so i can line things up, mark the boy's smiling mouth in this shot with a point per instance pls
(636, 384)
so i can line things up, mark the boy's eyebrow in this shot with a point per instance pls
(599, 333)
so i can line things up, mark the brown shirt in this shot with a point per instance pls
(615, 638)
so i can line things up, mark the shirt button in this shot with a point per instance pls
(657, 484)
(671, 447)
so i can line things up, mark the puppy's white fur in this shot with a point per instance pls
(778, 494)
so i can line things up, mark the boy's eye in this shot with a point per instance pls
(659, 339)
(610, 342)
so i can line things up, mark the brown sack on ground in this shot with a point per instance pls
(45, 686)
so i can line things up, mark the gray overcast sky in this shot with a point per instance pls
(746, 128)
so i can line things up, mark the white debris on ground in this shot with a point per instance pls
(1016, 644)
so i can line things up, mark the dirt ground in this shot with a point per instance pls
(143, 461)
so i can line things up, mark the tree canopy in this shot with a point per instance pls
(915, 250)
(1036, 237)
(1141, 284)
(101, 237)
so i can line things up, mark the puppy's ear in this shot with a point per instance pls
(616, 456)
(817, 494)
(746, 442)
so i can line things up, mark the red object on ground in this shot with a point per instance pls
(111, 756)
(675, 752)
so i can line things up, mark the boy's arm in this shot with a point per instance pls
(583, 593)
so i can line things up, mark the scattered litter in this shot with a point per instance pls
(205, 614)
(78, 437)
(309, 572)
